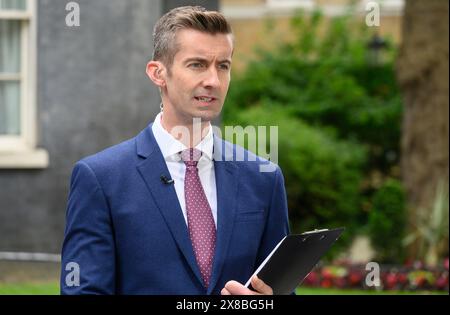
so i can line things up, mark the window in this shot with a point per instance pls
(18, 86)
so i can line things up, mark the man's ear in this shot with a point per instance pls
(156, 71)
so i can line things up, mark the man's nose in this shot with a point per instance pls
(212, 78)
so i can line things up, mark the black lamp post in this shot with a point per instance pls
(376, 46)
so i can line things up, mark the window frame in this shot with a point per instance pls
(20, 151)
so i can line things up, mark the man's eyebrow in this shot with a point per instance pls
(204, 60)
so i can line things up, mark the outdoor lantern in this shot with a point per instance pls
(375, 49)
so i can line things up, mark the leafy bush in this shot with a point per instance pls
(339, 115)
(322, 174)
(387, 221)
(328, 81)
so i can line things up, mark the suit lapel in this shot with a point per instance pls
(165, 197)
(227, 187)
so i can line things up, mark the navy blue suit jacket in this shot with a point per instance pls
(126, 231)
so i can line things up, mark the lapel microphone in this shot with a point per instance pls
(165, 180)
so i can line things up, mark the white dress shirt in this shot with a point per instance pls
(171, 148)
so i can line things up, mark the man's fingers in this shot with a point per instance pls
(225, 292)
(236, 288)
(260, 286)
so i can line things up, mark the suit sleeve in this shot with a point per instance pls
(277, 225)
(88, 252)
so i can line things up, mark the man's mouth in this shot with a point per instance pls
(205, 99)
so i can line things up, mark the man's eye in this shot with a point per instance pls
(224, 67)
(196, 65)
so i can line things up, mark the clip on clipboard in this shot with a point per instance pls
(293, 258)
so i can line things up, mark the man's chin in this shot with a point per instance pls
(206, 115)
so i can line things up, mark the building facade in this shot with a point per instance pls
(72, 82)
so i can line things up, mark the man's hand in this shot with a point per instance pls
(235, 288)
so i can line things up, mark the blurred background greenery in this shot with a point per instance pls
(333, 93)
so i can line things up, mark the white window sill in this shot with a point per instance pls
(29, 159)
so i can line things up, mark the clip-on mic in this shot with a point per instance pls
(166, 181)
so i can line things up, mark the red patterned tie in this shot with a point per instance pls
(202, 229)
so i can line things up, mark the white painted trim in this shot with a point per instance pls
(30, 59)
(24, 256)
(10, 77)
(24, 97)
(287, 8)
(387, 7)
(13, 143)
(244, 12)
(14, 15)
(290, 4)
(26, 159)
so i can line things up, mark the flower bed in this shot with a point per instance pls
(409, 277)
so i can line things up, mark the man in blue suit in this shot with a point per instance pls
(168, 214)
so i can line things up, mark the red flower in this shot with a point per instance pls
(442, 282)
(402, 278)
(340, 282)
(355, 278)
(312, 278)
(326, 283)
(391, 281)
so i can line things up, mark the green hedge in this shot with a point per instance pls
(339, 116)
(329, 81)
(387, 221)
(322, 174)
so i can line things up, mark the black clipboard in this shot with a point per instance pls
(293, 258)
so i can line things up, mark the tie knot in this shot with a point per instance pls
(191, 156)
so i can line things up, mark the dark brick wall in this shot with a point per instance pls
(92, 93)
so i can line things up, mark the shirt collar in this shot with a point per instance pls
(171, 147)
